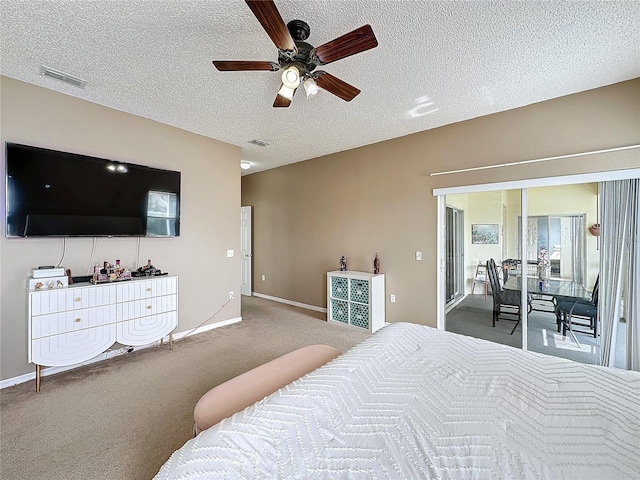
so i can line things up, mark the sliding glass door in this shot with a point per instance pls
(554, 258)
(564, 238)
(554, 240)
(566, 260)
(455, 253)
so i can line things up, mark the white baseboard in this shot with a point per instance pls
(455, 303)
(290, 302)
(9, 382)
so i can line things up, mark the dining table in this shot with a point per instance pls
(549, 292)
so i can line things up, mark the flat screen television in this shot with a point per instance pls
(51, 193)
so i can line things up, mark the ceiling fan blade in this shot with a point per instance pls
(267, 14)
(334, 85)
(281, 101)
(240, 65)
(359, 40)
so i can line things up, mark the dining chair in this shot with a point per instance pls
(481, 277)
(506, 303)
(570, 309)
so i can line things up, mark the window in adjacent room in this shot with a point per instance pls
(162, 211)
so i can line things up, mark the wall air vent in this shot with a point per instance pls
(259, 143)
(63, 77)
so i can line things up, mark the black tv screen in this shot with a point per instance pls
(52, 193)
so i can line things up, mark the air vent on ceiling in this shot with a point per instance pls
(259, 143)
(63, 77)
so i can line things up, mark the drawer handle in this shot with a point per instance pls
(77, 320)
(148, 307)
(149, 289)
(77, 299)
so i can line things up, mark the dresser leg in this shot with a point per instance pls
(171, 341)
(37, 378)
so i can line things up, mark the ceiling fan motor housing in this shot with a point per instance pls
(299, 30)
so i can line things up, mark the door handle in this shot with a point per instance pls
(248, 254)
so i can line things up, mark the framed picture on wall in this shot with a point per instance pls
(484, 233)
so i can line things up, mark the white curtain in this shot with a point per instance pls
(619, 292)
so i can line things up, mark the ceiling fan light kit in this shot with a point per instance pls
(310, 87)
(298, 59)
(286, 92)
(291, 77)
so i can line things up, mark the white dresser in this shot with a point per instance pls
(72, 325)
(356, 299)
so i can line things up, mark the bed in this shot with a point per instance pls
(416, 402)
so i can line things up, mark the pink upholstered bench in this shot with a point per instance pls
(238, 393)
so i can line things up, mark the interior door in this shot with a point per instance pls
(245, 250)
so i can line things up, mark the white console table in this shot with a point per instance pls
(74, 324)
(356, 299)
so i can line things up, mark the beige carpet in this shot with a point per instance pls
(122, 418)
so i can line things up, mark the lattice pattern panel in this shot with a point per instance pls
(339, 310)
(359, 316)
(359, 290)
(339, 287)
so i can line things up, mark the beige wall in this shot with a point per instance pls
(210, 210)
(379, 197)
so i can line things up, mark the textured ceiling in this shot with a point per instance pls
(436, 63)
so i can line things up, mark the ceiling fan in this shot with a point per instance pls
(297, 59)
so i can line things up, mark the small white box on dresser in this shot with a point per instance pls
(356, 299)
(47, 272)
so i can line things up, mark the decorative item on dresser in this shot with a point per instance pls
(376, 264)
(47, 277)
(356, 299)
(72, 325)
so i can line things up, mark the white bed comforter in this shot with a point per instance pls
(415, 402)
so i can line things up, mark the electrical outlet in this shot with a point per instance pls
(418, 255)
(264, 278)
(393, 298)
(232, 295)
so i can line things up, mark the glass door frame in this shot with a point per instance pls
(456, 255)
(523, 185)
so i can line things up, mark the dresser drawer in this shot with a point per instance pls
(144, 330)
(73, 320)
(73, 347)
(146, 307)
(65, 299)
(154, 287)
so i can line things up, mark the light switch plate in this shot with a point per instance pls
(418, 255)
(229, 253)
(393, 298)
